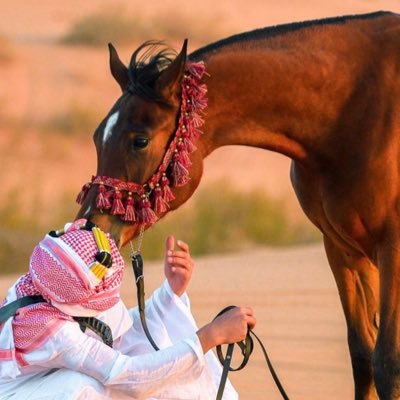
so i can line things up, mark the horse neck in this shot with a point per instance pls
(284, 96)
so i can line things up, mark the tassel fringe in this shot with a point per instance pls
(129, 209)
(117, 207)
(146, 215)
(102, 199)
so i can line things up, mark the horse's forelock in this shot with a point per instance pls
(146, 64)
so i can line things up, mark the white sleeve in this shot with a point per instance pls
(139, 375)
(169, 320)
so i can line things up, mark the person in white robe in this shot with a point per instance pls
(44, 354)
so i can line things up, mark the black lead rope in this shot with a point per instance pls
(246, 348)
(137, 265)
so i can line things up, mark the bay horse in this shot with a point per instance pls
(325, 93)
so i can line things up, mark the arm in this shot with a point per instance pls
(140, 376)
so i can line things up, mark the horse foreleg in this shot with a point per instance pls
(386, 357)
(358, 283)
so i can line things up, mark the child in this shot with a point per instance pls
(45, 353)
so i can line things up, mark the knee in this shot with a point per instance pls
(77, 385)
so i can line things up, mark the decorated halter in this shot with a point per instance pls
(118, 197)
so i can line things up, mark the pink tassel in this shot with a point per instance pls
(194, 134)
(160, 205)
(102, 200)
(146, 215)
(196, 90)
(199, 104)
(197, 69)
(180, 174)
(129, 209)
(166, 190)
(82, 194)
(189, 146)
(183, 155)
(117, 207)
(197, 120)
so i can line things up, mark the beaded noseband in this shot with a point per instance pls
(117, 196)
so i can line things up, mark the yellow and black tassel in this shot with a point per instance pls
(103, 257)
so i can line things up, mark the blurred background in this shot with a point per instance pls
(55, 88)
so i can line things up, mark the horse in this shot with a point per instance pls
(325, 93)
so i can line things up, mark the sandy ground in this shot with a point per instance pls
(298, 311)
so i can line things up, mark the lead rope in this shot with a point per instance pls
(246, 346)
(137, 265)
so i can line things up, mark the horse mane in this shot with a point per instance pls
(271, 31)
(146, 64)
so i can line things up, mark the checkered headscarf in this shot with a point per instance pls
(59, 271)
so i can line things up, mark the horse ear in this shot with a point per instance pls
(170, 79)
(118, 69)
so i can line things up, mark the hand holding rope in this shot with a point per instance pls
(246, 347)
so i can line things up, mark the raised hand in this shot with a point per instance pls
(178, 265)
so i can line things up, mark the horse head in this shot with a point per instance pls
(142, 144)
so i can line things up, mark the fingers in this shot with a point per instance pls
(246, 311)
(251, 321)
(178, 254)
(247, 315)
(180, 260)
(184, 246)
(170, 243)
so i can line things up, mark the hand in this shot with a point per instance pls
(178, 265)
(230, 327)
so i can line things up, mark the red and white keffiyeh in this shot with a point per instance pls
(59, 271)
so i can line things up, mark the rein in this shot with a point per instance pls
(246, 346)
(137, 202)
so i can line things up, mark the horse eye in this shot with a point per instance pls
(140, 142)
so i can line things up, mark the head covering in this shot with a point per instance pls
(59, 270)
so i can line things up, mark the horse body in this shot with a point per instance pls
(328, 98)
(326, 94)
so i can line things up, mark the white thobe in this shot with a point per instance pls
(75, 365)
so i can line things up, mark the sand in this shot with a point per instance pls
(298, 311)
